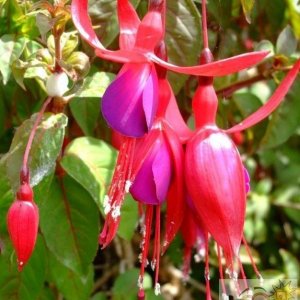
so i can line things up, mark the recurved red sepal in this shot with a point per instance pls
(22, 223)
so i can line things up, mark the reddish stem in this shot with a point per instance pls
(25, 169)
(204, 25)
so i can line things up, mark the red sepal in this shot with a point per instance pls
(272, 104)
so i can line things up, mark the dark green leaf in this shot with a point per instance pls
(291, 265)
(125, 286)
(71, 285)
(104, 17)
(285, 120)
(182, 37)
(28, 284)
(45, 149)
(69, 221)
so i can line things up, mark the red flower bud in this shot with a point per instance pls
(22, 223)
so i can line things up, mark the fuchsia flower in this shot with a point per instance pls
(130, 102)
(215, 176)
(140, 100)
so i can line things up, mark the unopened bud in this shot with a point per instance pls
(57, 84)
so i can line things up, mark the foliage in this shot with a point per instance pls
(72, 159)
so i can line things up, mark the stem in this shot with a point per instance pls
(229, 90)
(204, 25)
(57, 35)
(31, 137)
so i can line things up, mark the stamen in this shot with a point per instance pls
(187, 253)
(243, 273)
(221, 271)
(116, 193)
(106, 204)
(206, 274)
(128, 184)
(157, 247)
(116, 213)
(252, 260)
(146, 238)
(157, 289)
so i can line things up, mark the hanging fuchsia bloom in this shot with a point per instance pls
(129, 104)
(215, 176)
(22, 224)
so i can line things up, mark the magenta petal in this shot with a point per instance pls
(153, 179)
(129, 103)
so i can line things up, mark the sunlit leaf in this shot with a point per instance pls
(44, 151)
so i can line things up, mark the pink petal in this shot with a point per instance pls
(152, 181)
(217, 68)
(273, 102)
(129, 23)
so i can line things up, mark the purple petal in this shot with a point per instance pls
(153, 180)
(129, 104)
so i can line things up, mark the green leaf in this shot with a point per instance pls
(285, 120)
(71, 285)
(99, 296)
(6, 198)
(86, 113)
(129, 218)
(95, 85)
(182, 37)
(69, 221)
(247, 8)
(125, 285)
(90, 162)
(28, 284)
(286, 43)
(44, 151)
(11, 48)
(291, 265)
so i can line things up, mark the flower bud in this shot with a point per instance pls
(57, 84)
(22, 223)
(215, 179)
